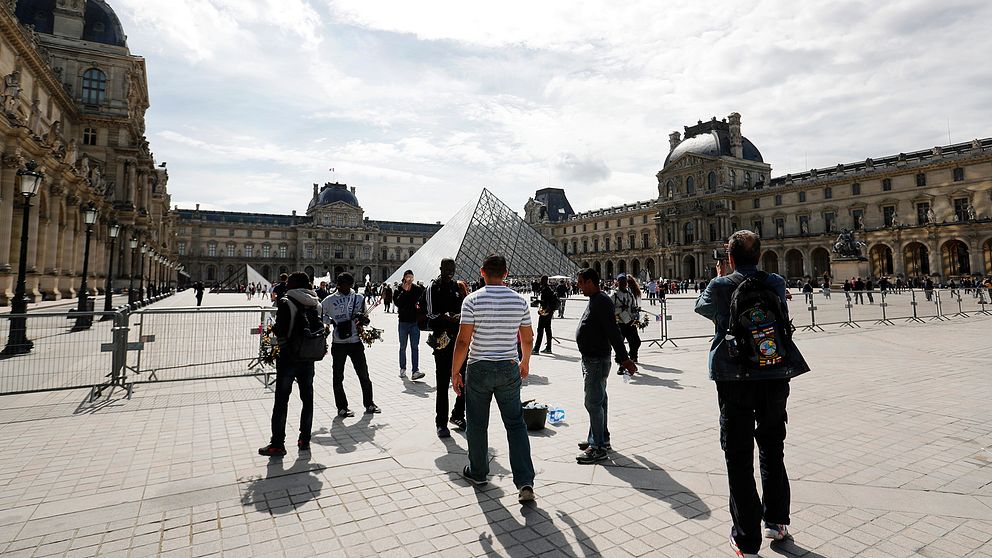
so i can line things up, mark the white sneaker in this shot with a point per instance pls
(776, 532)
(526, 494)
(403, 374)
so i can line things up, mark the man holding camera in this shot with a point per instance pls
(443, 304)
(345, 310)
(751, 360)
(407, 297)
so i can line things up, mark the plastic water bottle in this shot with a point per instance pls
(626, 376)
(556, 415)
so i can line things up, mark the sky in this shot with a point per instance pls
(422, 104)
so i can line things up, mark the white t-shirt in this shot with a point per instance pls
(338, 309)
(497, 313)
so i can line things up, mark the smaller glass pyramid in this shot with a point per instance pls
(485, 226)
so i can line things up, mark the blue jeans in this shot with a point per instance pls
(595, 371)
(409, 330)
(483, 381)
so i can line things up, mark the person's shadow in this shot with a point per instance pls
(685, 502)
(518, 539)
(284, 490)
(656, 368)
(346, 438)
(788, 547)
(645, 380)
(418, 389)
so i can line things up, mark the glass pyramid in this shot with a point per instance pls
(484, 226)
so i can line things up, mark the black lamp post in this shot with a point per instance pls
(141, 276)
(108, 306)
(17, 340)
(84, 320)
(133, 244)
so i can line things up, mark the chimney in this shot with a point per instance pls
(673, 140)
(197, 207)
(314, 189)
(294, 213)
(352, 189)
(736, 140)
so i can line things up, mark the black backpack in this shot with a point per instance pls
(759, 325)
(308, 339)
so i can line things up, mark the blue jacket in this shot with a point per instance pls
(714, 304)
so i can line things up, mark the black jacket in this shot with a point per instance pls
(406, 302)
(548, 300)
(439, 299)
(598, 330)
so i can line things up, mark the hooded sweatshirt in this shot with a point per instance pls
(287, 310)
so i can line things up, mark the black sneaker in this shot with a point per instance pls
(272, 450)
(303, 445)
(372, 409)
(345, 413)
(472, 479)
(585, 445)
(548, 350)
(458, 422)
(535, 351)
(592, 455)
(443, 432)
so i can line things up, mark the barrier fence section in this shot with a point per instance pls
(174, 344)
(63, 355)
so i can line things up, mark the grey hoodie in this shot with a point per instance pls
(286, 310)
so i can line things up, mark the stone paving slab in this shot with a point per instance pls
(888, 450)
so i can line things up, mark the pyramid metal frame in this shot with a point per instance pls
(482, 227)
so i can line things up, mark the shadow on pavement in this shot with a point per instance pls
(417, 388)
(345, 438)
(655, 368)
(652, 480)
(283, 490)
(789, 547)
(645, 380)
(515, 537)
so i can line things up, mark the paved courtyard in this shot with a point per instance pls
(888, 449)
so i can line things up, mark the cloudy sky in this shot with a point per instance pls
(421, 104)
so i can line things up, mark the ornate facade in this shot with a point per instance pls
(925, 212)
(334, 236)
(74, 101)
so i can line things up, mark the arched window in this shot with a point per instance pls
(747, 179)
(94, 87)
(669, 190)
(690, 186)
(733, 177)
(711, 181)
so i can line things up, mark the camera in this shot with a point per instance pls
(720, 255)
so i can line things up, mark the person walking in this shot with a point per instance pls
(627, 309)
(752, 399)
(279, 290)
(859, 291)
(387, 297)
(407, 298)
(198, 290)
(292, 311)
(345, 311)
(597, 332)
(443, 304)
(561, 291)
(491, 320)
(869, 287)
(547, 305)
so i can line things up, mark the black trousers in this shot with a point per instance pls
(286, 373)
(340, 352)
(754, 411)
(629, 333)
(543, 324)
(442, 364)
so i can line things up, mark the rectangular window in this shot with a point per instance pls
(248, 250)
(922, 209)
(339, 252)
(780, 227)
(266, 234)
(829, 221)
(778, 199)
(886, 184)
(595, 245)
(713, 235)
(804, 224)
(366, 253)
(828, 193)
(887, 213)
(230, 232)
(309, 252)
(958, 174)
(802, 197)
(606, 243)
(282, 252)
(921, 179)
(644, 219)
(856, 189)
(266, 250)
(645, 240)
(89, 136)
(181, 248)
(630, 221)
(757, 228)
(961, 209)
(595, 226)
(230, 250)
(211, 250)
(585, 246)
(583, 227)
(756, 203)
(858, 216)
(630, 240)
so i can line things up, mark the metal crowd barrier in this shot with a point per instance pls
(121, 349)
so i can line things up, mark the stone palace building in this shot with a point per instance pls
(334, 236)
(74, 101)
(926, 212)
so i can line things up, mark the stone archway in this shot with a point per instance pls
(366, 272)
(881, 260)
(821, 262)
(917, 259)
(609, 269)
(649, 264)
(309, 271)
(598, 267)
(265, 273)
(635, 268)
(621, 266)
(769, 261)
(794, 264)
(689, 267)
(955, 258)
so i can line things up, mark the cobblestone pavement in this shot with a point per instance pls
(888, 448)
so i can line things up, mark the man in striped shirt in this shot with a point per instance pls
(491, 320)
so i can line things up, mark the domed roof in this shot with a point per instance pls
(100, 23)
(714, 143)
(332, 193)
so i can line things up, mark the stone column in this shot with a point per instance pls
(68, 257)
(9, 192)
(898, 265)
(34, 274)
(975, 257)
(935, 258)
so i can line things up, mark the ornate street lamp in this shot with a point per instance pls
(133, 244)
(84, 319)
(17, 340)
(108, 306)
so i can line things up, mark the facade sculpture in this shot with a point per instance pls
(847, 246)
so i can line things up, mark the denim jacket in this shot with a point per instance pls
(714, 304)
